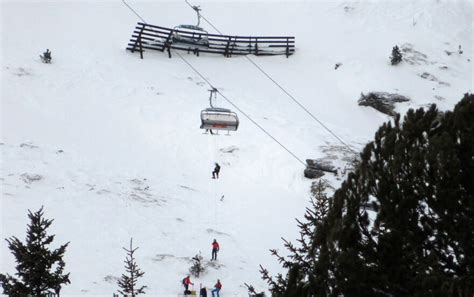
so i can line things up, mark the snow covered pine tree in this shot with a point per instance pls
(35, 262)
(128, 282)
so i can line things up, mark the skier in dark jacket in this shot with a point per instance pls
(46, 57)
(215, 173)
(203, 292)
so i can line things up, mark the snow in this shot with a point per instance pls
(116, 143)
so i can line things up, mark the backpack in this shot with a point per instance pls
(184, 281)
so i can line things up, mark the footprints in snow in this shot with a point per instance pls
(134, 189)
(19, 71)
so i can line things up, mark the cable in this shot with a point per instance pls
(302, 106)
(240, 110)
(223, 96)
(285, 91)
(134, 11)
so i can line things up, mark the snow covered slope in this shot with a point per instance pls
(115, 140)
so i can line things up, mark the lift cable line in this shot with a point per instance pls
(136, 13)
(237, 108)
(230, 102)
(227, 99)
(284, 90)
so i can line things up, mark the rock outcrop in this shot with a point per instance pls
(382, 101)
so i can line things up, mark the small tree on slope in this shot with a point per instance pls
(128, 281)
(197, 268)
(39, 269)
(396, 56)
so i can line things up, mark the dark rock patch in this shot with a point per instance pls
(310, 172)
(30, 178)
(382, 101)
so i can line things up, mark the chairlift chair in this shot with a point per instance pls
(193, 34)
(216, 118)
(219, 119)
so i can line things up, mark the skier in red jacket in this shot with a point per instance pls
(217, 288)
(186, 283)
(215, 249)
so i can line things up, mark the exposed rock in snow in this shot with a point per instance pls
(28, 145)
(431, 77)
(311, 172)
(30, 178)
(111, 279)
(229, 149)
(412, 56)
(382, 101)
(321, 164)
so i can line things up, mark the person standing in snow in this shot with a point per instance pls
(215, 249)
(215, 173)
(46, 57)
(217, 288)
(186, 283)
(203, 292)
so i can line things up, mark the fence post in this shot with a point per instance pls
(140, 41)
(287, 48)
(141, 48)
(226, 51)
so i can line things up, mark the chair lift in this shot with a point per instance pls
(216, 118)
(196, 34)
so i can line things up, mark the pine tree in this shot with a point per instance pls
(419, 177)
(396, 56)
(401, 223)
(302, 263)
(39, 269)
(197, 268)
(128, 281)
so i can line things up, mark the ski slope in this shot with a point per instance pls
(115, 141)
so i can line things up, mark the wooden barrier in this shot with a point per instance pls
(151, 37)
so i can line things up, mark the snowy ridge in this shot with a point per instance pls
(116, 139)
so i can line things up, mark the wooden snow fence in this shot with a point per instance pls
(151, 37)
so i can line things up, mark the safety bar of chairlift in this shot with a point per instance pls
(224, 112)
(220, 125)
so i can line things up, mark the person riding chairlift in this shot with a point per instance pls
(215, 173)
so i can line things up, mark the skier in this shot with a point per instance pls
(186, 283)
(46, 57)
(215, 249)
(217, 288)
(215, 173)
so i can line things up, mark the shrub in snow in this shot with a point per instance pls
(197, 268)
(396, 56)
(39, 269)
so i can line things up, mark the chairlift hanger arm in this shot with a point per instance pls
(212, 91)
(197, 9)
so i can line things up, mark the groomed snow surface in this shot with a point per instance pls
(116, 144)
